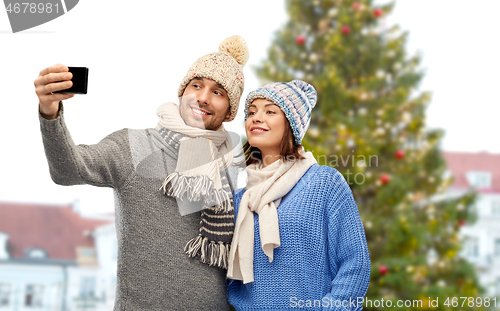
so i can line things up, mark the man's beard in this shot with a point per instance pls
(210, 123)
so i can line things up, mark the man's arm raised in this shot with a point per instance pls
(105, 164)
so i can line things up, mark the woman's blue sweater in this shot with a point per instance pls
(323, 261)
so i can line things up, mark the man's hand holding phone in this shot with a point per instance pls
(52, 83)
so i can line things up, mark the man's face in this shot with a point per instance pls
(204, 104)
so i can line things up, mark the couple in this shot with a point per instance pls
(292, 238)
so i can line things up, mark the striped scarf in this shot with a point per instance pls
(196, 188)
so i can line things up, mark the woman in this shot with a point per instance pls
(298, 240)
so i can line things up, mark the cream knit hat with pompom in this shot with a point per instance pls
(224, 67)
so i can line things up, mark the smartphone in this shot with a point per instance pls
(80, 80)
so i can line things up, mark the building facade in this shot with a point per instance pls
(481, 240)
(53, 258)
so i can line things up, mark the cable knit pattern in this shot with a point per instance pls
(323, 257)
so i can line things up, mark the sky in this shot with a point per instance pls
(138, 52)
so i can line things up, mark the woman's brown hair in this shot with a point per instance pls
(289, 148)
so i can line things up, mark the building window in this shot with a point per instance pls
(495, 207)
(4, 294)
(471, 247)
(87, 252)
(479, 179)
(35, 253)
(497, 247)
(87, 287)
(34, 295)
(86, 256)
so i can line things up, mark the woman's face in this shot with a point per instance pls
(265, 126)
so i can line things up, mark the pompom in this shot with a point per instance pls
(236, 47)
(308, 89)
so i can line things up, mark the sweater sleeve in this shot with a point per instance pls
(348, 251)
(105, 164)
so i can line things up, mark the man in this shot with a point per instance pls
(158, 219)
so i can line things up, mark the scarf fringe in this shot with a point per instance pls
(211, 253)
(192, 247)
(195, 188)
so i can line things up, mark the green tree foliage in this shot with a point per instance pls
(369, 123)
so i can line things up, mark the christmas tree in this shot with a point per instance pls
(369, 124)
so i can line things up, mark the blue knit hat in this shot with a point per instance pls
(295, 98)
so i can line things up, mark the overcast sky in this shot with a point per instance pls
(138, 53)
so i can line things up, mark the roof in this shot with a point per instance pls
(56, 229)
(459, 163)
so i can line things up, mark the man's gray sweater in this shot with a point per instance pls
(153, 273)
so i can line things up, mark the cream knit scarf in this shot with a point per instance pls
(264, 190)
(202, 156)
